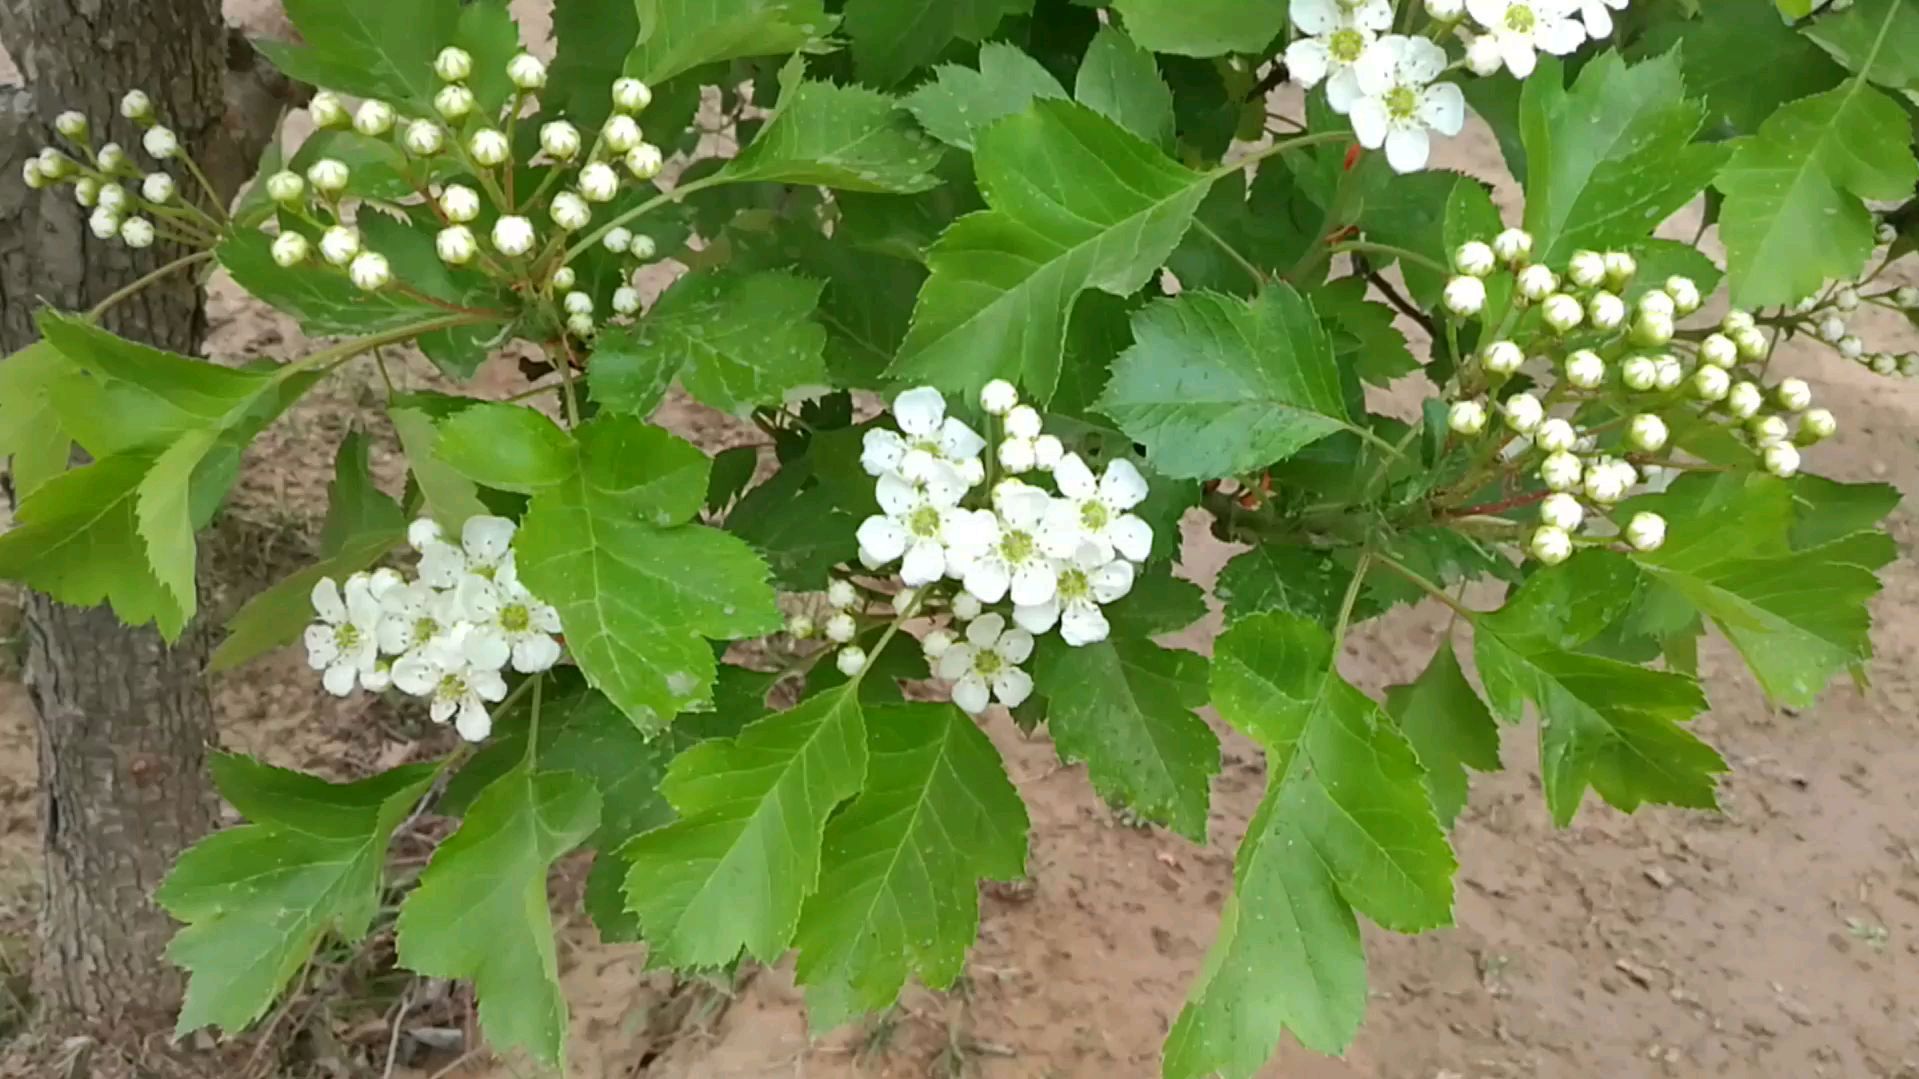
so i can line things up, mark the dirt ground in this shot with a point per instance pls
(1777, 938)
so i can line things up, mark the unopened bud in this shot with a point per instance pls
(1562, 511)
(626, 300)
(328, 176)
(160, 143)
(1639, 373)
(1781, 459)
(645, 161)
(851, 660)
(1793, 394)
(1465, 296)
(1585, 369)
(1817, 424)
(1605, 311)
(136, 232)
(631, 95)
(1474, 259)
(373, 118)
(1744, 400)
(1523, 412)
(1551, 545)
(157, 188)
(998, 397)
(72, 125)
(453, 64)
(1647, 433)
(617, 240)
(1717, 350)
(1620, 268)
(598, 182)
(526, 71)
(424, 138)
(621, 134)
(460, 204)
(289, 249)
(1652, 330)
(370, 270)
(1646, 531)
(1562, 312)
(1513, 246)
(489, 147)
(1685, 294)
(577, 303)
(560, 140)
(1466, 417)
(570, 211)
(135, 105)
(453, 102)
(1561, 472)
(339, 244)
(1587, 269)
(1711, 383)
(456, 245)
(1502, 358)
(1536, 282)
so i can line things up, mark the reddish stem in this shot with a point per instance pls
(1494, 509)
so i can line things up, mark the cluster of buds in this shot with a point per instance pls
(127, 203)
(1827, 315)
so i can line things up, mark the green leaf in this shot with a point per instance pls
(1412, 212)
(1300, 581)
(1449, 727)
(1794, 214)
(680, 35)
(1203, 27)
(1878, 39)
(1614, 726)
(1660, 259)
(409, 247)
(377, 168)
(1829, 510)
(1078, 203)
(369, 48)
(1363, 332)
(258, 898)
(450, 497)
(734, 870)
(488, 33)
(798, 524)
(592, 39)
(34, 445)
(960, 103)
(1120, 81)
(508, 447)
(1216, 386)
(736, 340)
(480, 911)
(891, 39)
(321, 298)
(635, 588)
(626, 378)
(362, 525)
(1345, 825)
(846, 137)
(899, 879)
(1612, 157)
(1723, 52)
(1268, 222)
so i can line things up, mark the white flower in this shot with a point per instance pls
(1782, 459)
(460, 203)
(1466, 417)
(841, 628)
(631, 95)
(1598, 20)
(986, 665)
(851, 660)
(136, 232)
(526, 71)
(374, 118)
(1524, 28)
(1562, 312)
(414, 614)
(626, 300)
(1551, 545)
(112, 197)
(1338, 32)
(645, 161)
(136, 105)
(1501, 358)
(560, 139)
(1646, 531)
(1587, 269)
(329, 176)
(1536, 282)
(486, 545)
(157, 188)
(424, 138)
(1555, 436)
(370, 270)
(841, 593)
(1711, 383)
(1793, 394)
(1606, 311)
(599, 183)
(1048, 451)
(1400, 101)
(453, 102)
(621, 134)
(513, 235)
(343, 643)
(1523, 412)
(1087, 581)
(1474, 258)
(1561, 472)
(284, 186)
(923, 525)
(570, 211)
(489, 146)
(998, 397)
(1097, 511)
(456, 245)
(453, 64)
(927, 436)
(936, 642)
(1585, 369)
(1482, 54)
(339, 244)
(1563, 511)
(1465, 296)
(1816, 424)
(160, 142)
(452, 674)
(289, 249)
(1013, 558)
(504, 608)
(1017, 455)
(1718, 350)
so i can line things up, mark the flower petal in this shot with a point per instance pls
(925, 563)
(1407, 148)
(1083, 624)
(487, 539)
(1559, 36)
(1131, 537)
(959, 441)
(442, 709)
(1518, 52)
(1023, 509)
(1342, 90)
(897, 496)
(1122, 487)
(490, 685)
(971, 694)
(881, 450)
(1369, 119)
(474, 724)
(326, 601)
(441, 565)
(1015, 646)
(984, 631)
(485, 648)
(1034, 582)
(1038, 618)
(322, 648)
(988, 578)
(1012, 686)
(1420, 61)
(1308, 60)
(1315, 16)
(535, 652)
(339, 679)
(424, 531)
(954, 662)
(1075, 480)
(1490, 14)
(1374, 14)
(1442, 107)
(882, 537)
(919, 411)
(1110, 582)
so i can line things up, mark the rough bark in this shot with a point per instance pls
(124, 721)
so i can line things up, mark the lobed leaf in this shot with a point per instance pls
(960, 103)
(846, 137)
(1203, 27)
(890, 39)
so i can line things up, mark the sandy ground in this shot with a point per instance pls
(1778, 938)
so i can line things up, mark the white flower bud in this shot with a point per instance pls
(621, 134)
(285, 187)
(1606, 483)
(577, 303)
(1793, 394)
(1752, 343)
(1606, 311)
(1657, 303)
(560, 140)
(1585, 370)
(1882, 363)
(1816, 424)
(1561, 472)
(598, 182)
(1846, 298)
(841, 594)
(328, 110)
(157, 188)
(998, 397)
(1782, 459)
(289, 249)
(1465, 296)
(33, 175)
(513, 235)
(1023, 421)
(1047, 451)
(1831, 328)
(1483, 57)
(136, 232)
(1501, 358)
(800, 627)
(1474, 259)
(1018, 455)
(460, 204)
(424, 138)
(111, 158)
(370, 270)
(339, 244)
(1647, 433)
(1466, 417)
(1768, 429)
(1513, 246)
(580, 326)
(453, 102)
(1646, 531)
(570, 211)
(135, 105)
(489, 147)
(626, 300)
(935, 643)
(526, 71)
(456, 245)
(966, 606)
(1562, 511)
(1711, 383)
(1667, 373)
(374, 118)
(72, 125)
(104, 223)
(1886, 232)
(1555, 436)
(1685, 294)
(1851, 347)
(329, 176)
(1652, 329)
(160, 143)
(1536, 282)
(645, 161)
(1907, 296)
(1620, 267)
(1744, 400)
(1718, 350)
(631, 95)
(851, 660)
(1562, 312)
(1587, 269)
(1909, 365)
(1551, 545)
(841, 628)
(112, 197)
(1639, 373)
(618, 240)
(1737, 320)
(1523, 412)
(55, 165)
(1446, 10)
(1805, 305)
(453, 64)
(642, 247)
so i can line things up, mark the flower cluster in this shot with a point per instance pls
(130, 204)
(1828, 312)
(447, 635)
(1031, 527)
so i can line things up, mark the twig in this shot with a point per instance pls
(393, 1043)
(457, 1061)
(1405, 306)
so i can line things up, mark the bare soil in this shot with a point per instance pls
(1776, 938)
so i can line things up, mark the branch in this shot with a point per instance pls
(1405, 306)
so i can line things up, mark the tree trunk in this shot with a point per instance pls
(124, 721)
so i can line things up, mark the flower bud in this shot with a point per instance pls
(841, 594)
(1646, 531)
(1446, 10)
(1766, 430)
(424, 138)
(936, 642)
(1561, 472)
(1587, 269)
(289, 249)
(621, 134)
(1667, 373)
(73, 125)
(1711, 383)
(1717, 350)
(1639, 373)
(160, 143)
(453, 102)
(1562, 511)
(1551, 545)
(1647, 433)
(456, 245)
(104, 223)
(1585, 370)
(526, 71)
(560, 140)
(631, 95)
(1018, 455)
(489, 147)
(1793, 394)
(1605, 311)
(1466, 417)
(841, 628)
(1555, 436)
(136, 232)
(1620, 267)
(135, 105)
(1736, 321)
(157, 188)
(1483, 57)
(800, 627)
(33, 175)
(328, 110)
(1523, 412)
(618, 240)
(328, 176)
(1805, 305)
(1816, 424)
(1851, 347)
(1465, 296)
(1023, 421)
(1607, 481)
(1652, 330)
(1513, 246)
(339, 244)
(1886, 232)
(111, 158)
(1536, 282)
(563, 279)
(370, 271)
(570, 211)
(1831, 328)
(1474, 259)
(1846, 298)
(998, 397)
(966, 606)
(851, 660)
(1744, 400)
(1909, 364)
(55, 165)
(598, 182)
(453, 64)
(460, 203)
(373, 119)
(1882, 363)
(626, 300)
(1657, 302)
(1752, 343)
(577, 303)
(1562, 312)
(1047, 451)
(112, 197)
(1501, 358)
(1685, 294)
(1781, 459)
(645, 161)
(1907, 296)
(86, 191)
(580, 326)
(642, 247)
